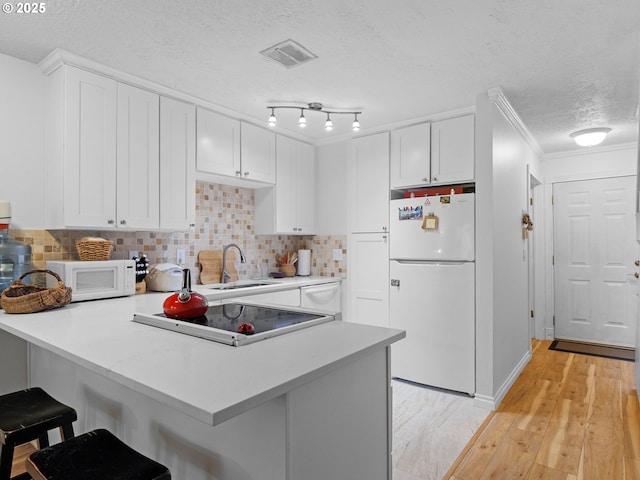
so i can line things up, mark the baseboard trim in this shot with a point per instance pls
(484, 401)
(515, 373)
(492, 403)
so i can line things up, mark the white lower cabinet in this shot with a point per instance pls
(369, 279)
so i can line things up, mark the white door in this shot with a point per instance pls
(90, 150)
(369, 183)
(138, 163)
(594, 254)
(177, 164)
(369, 273)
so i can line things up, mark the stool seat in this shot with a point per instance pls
(28, 415)
(96, 455)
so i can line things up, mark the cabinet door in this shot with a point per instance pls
(90, 150)
(218, 144)
(138, 165)
(177, 164)
(285, 189)
(452, 150)
(410, 156)
(369, 183)
(257, 153)
(369, 278)
(305, 188)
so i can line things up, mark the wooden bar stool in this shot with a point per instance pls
(28, 415)
(96, 455)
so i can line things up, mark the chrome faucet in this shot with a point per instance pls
(243, 259)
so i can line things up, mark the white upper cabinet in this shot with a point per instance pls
(410, 156)
(218, 147)
(437, 153)
(452, 150)
(257, 153)
(177, 164)
(369, 183)
(138, 164)
(232, 152)
(289, 206)
(81, 137)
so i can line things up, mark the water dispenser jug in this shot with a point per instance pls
(15, 257)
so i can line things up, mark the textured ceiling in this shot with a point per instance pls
(563, 64)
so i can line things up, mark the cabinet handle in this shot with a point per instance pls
(637, 275)
(637, 263)
(435, 179)
(111, 221)
(384, 229)
(299, 229)
(238, 173)
(395, 282)
(246, 174)
(295, 229)
(192, 224)
(425, 179)
(123, 222)
(384, 237)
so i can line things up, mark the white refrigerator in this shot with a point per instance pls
(432, 293)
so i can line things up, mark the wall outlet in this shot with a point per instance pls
(180, 257)
(337, 254)
(133, 253)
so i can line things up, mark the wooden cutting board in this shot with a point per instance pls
(211, 266)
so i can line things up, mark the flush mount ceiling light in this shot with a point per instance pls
(315, 107)
(590, 136)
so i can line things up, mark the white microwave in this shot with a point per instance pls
(91, 280)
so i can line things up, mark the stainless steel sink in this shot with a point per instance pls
(231, 286)
(239, 284)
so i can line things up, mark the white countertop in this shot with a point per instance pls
(206, 380)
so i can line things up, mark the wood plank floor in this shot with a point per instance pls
(567, 417)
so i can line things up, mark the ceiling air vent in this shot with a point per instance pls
(288, 54)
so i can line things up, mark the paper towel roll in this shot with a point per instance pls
(5, 211)
(304, 263)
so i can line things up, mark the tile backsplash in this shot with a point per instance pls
(224, 214)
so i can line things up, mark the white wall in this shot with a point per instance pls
(503, 158)
(590, 164)
(331, 189)
(22, 140)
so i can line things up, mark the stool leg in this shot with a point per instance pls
(43, 440)
(6, 459)
(66, 431)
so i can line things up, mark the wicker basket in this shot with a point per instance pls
(288, 269)
(24, 298)
(94, 249)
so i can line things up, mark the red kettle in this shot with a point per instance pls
(185, 304)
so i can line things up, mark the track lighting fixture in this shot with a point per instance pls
(315, 107)
(272, 118)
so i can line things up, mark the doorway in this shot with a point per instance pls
(594, 253)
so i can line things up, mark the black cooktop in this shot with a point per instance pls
(233, 317)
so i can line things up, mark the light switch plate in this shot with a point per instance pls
(337, 254)
(180, 257)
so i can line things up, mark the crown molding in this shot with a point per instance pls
(590, 150)
(497, 96)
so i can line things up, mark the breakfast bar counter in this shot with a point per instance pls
(313, 403)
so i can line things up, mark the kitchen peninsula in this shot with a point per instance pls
(311, 404)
